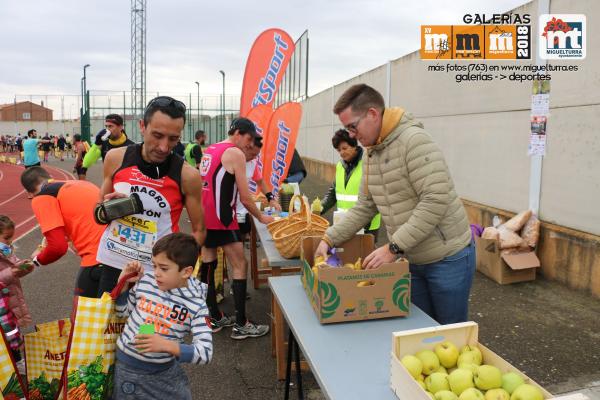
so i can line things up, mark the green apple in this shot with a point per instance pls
(468, 348)
(422, 384)
(430, 395)
(421, 378)
(471, 394)
(527, 392)
(468, 357)
(460, 380)
(445, 395)
(436, 382)
(470, 367)
(413, 365)
(447, 352)
(497, 394)
(511, 381)
(487, 377)
(430, 361)
(442, 369)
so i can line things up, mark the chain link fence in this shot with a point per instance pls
(203, 112)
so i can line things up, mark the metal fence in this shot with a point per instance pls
(203, 112)
(294, 84)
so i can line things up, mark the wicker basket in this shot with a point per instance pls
(291, 218)
(287, 238)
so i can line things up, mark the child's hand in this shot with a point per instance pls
(131, 267)
(24, 268)
(156, 344)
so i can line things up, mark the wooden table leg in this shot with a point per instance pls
(273, 326)
(253, 255)
(280, 347)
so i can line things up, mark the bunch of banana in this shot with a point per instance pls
(319, 260)
(356, 266)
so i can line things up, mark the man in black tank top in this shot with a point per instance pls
(161, 127)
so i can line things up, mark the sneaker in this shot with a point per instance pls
(249, 330)
(21, 367)
(217, 325)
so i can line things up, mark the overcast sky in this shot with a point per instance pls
(46, 43)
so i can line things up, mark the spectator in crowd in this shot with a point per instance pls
(343, 193)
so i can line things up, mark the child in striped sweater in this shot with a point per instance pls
(173, 303)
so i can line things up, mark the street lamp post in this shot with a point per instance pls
(198, 87)
(85, 105)
(223, 106)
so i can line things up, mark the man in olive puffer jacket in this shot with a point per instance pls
(406, 179)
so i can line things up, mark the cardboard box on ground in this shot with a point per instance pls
(334, 294)
(507, 257)
(413, 341)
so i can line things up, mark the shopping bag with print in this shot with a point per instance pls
(45, 351)
(88, 371)
(11, 386)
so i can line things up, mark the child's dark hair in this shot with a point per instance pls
(181, 248)
(6, 223)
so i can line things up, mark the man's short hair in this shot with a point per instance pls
(32, 177)
(166, 105)
(199, 134)
(114, 118)
(243, 126)
(77, 137)
(359, 98)
(340, 136)
(257, 142)
(31, 132)
(181, 248)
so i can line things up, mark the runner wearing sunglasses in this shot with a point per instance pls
(164, 183)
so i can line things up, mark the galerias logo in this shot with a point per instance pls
(562, 36)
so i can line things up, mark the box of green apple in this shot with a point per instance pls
(448, 363)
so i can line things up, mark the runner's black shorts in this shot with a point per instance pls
(33, 165)
(217, 237)
(88, 280)
(81, 170)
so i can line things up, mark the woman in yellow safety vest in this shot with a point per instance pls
(348, 173)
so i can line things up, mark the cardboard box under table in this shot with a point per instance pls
(507, 268)
(334, 294)
(413, 341)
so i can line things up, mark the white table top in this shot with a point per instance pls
(349, 360)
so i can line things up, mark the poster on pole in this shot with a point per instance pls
(540, 110)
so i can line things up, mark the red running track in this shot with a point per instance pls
(13, 198)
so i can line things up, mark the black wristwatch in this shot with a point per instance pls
(395, 249)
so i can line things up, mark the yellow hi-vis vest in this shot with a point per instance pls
(188, 154)
(347, 196)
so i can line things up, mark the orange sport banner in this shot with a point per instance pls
(279, 147)
(260, 115)
(269, 57)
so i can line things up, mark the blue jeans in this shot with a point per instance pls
(296, 177)
(441, 289)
